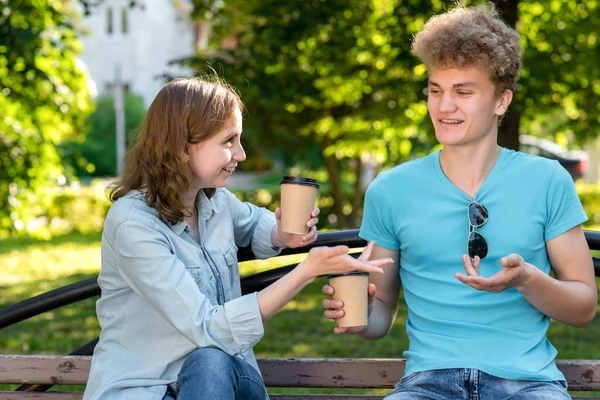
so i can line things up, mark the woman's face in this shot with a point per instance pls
(213, 161)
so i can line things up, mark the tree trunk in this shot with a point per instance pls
(357, 195)
(335, 183)
(508, 132)
(509, 11)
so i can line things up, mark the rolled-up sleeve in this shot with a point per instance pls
(253, 225)
(145, 262)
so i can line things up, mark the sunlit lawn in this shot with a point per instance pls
(32, 267)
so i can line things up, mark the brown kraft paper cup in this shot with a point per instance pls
(298, 197)
(352, 289)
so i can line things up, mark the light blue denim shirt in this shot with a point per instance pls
(164, 294)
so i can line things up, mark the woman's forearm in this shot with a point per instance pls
(272, 298)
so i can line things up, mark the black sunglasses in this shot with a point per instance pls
(476, 243)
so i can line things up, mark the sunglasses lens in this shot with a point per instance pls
(478, 214)
(477, 245)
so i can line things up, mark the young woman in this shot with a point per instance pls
(174, 322)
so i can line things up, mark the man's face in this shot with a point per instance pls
(463, 105)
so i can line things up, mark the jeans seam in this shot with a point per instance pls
(259, 383)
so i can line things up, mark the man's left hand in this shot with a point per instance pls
(514, 273)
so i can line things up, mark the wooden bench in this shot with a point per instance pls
(582, 375)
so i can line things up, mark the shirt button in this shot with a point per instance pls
(206, 215)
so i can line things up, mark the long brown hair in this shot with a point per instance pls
(187, 110)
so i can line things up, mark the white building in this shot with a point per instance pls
(140, 42)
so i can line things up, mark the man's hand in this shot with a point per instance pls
(333, 308)
(514, 273)
(284, 239)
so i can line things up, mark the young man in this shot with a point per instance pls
(503, 218)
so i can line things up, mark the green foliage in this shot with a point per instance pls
(62, 210)
(336, 79)
(560, 78)
(338, 74)
(333, 79)
(269, 196)
(44, 100)
(96, 154)
(589, 194)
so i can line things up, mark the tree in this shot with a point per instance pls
(561, 73)
(96, 153)
(559, 93)
(337, 74)
(44, 100)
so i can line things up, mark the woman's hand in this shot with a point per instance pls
(336, 260)
(284, 239)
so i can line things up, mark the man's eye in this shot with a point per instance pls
(434, 91)
(464, 93)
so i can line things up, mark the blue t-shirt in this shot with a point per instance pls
(414, 208)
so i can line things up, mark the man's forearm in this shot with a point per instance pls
(380, 320)
(569, 302)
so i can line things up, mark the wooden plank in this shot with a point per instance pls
(277, 372)
(331, 372)
(52, 370)
(581, 374)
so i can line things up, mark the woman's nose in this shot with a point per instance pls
(239, 154)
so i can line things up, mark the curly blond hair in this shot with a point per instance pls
(472, 36)
(186, 110)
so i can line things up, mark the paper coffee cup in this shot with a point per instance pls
(353, 290)
(298, 197)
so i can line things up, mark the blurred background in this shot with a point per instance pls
(331, 90)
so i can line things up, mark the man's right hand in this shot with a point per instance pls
(333, 309)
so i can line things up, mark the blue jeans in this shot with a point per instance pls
(472, 384)
(213, 374)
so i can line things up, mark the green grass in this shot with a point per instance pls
(30, 267)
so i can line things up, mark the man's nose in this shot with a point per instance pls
(447, 103)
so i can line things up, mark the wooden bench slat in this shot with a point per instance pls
(277, 372)
(581, 375)
(47, 370)
(331, 373)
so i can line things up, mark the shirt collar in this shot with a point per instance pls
(205, 206)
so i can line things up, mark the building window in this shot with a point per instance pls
(124, 21)
(109, 20)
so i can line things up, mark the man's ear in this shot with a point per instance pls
(504, 102)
